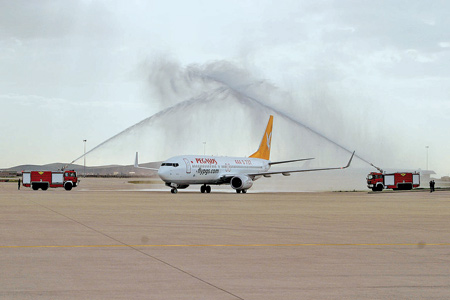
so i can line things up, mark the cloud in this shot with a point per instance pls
(51, 19)
(421, 58)
(401, 24)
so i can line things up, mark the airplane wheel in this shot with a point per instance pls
(203, 189)
(244, 191)
(208, 189)
(238, 191)
(174, 191)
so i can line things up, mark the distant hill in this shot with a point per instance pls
(111, 170)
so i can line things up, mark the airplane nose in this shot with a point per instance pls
(162, 173)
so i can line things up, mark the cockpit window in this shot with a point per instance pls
(169, 165)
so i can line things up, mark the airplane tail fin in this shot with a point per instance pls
(264, 148)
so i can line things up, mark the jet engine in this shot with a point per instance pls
(176, 185)
(241, 182)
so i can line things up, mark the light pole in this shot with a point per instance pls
(84, 158)
(427, 155)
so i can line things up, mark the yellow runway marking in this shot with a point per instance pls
(231, 245)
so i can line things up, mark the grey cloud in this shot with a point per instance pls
(404, 24)
(53, 19)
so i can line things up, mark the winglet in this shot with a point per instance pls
(264, 148)
(349, 162)
(136, 164)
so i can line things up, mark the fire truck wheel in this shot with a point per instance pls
(68, 186)
(35, 187)
(44, 187)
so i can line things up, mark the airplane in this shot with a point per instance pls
(239, 172)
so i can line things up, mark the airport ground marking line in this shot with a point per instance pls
(125, 245)
(230, 245)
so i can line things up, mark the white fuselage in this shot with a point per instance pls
(201, 169)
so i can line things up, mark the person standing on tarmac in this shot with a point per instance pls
(432, 186)
(18, 187)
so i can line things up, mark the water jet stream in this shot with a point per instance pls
(211, 97)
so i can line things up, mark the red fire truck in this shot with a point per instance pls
(53, 179)
(378, 181)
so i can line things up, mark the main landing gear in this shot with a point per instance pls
(205, 189)
(243, 191)
(174, 191)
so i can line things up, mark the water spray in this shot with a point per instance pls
(249, 101)
(210, 77)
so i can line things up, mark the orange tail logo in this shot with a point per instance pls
(264, 148)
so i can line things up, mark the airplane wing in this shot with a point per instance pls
(287, 173)
(136, 164)
(288, 161)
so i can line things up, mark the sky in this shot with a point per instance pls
(373, 76)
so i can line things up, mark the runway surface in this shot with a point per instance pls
(108, 240)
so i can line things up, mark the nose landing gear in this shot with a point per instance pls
(174, 191)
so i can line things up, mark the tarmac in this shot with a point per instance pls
(109, 239)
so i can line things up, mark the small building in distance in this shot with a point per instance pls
(425, 177)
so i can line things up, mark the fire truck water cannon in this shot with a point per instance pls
(380, 170)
